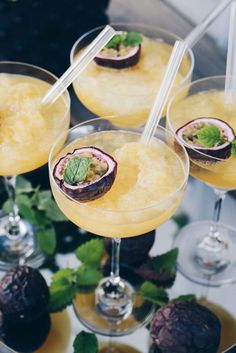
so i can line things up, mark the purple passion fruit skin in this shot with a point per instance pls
(121, 59)
(100, 177)
(187, 135)
(185, 327)
(120, 54)
(24, 295)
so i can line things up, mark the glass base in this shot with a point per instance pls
(85, 309)
(116, 347)
(189, 241)
(20, 249)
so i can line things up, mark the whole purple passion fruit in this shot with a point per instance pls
(24, 295)
(185, 327)
(121, 52)
(133, 250)
(86, 174)
(205, 137)
(27, 338)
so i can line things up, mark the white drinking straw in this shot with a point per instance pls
(230, 79)
(79, 65)
(201, 28)
(177, 55)
(164, 90)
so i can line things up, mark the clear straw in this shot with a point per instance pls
(200, 29)
(75, 69)
(163, 93)
(230, 79)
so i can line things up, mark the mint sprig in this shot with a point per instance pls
(62, 289)
(67, 282)
(76, 170)
(85, 342)
(209, 136)
(126, 39)
(233, 148)
(166, 262)
(154, 294)
(91, 252)
(39, 208)
(185, 298)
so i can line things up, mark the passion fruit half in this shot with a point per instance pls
(205, 137)
(121, 52)
(86, 174)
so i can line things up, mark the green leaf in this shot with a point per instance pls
(85, 342)
(76, 170)
(62, 290)
(233, 148)
(46, 238)
(166, 262)
(181, 219)
(28, 212)
(91, 252)
(23, 185)
(185, 297)
(7, 206)
(153, 293)
(47, 204)
(133, 39)
(116, 41)
(44, 198)
(87, 276)
(209, 135)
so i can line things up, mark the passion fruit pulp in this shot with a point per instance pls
(98, 173)
(198, 148)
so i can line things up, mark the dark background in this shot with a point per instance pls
(42, 32)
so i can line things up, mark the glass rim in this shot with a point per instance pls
(186, 168)
(39, 68)
(169, 106)
(151, 27)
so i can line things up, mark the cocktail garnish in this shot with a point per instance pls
(85, 174)
(211, 136)
(121, 52)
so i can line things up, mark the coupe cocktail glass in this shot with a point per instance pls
(147, 190)
(28, 131)
(207, 249)
(129, 93)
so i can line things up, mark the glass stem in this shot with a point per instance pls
(115, 260)
(219, 199)
(14, 218)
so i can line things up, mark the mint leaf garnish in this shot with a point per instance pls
(46, 238)
(153, 293)
(209, 135)
(185, 297)
(91, 252)
(87, 276)
(166, 262)
(62, 290)
(85, 342)
(76, 170)
(233, 148)
(133, 39)
(115, 42)
(127, 39)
